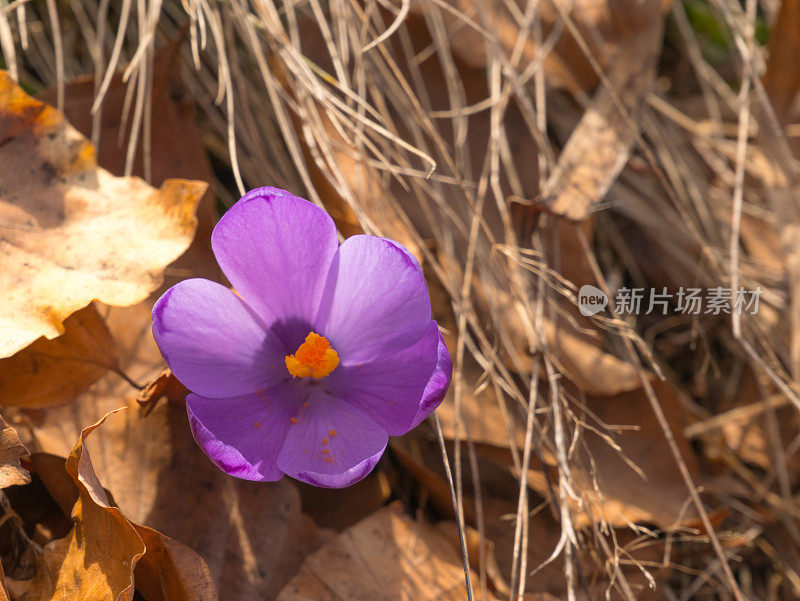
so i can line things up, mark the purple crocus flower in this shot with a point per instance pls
(319, 355)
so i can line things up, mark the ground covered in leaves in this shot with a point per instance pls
(521, 150)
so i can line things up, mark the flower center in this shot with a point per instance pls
(314, 358)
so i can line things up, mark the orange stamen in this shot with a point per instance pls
(314, 358)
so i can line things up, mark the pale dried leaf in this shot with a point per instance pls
(176, 149)
(72, 232)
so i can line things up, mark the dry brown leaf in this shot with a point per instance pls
(166, 385)
(546, 575)
(603, 29)
(72, 232)
(477, 547)
(657, 495)
(782, 79)
(751, 421)
(763, 245)
(170, 571)
(387, 556)
(11, 451)
(586, 365)
(601, 143)
(565, 67)
(96, 561)
(52, 372)
(56, 371)
(485, 418)
(613, 490)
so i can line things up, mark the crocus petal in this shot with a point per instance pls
(243, 435)
(213, 342)
(397, 391)
(376, 301)
(437, 386)
(276, 250)
(331, 444)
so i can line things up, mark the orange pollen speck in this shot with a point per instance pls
(314, 358)
(293, 420)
